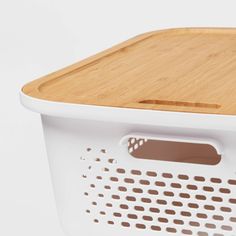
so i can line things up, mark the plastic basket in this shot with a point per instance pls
(128, 153)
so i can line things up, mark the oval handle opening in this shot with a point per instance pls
(165, 149)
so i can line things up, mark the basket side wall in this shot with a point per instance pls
(79, 151)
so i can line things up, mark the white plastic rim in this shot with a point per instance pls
(127, 115)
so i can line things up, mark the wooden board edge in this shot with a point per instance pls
(32, 88)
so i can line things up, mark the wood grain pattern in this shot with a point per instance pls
(187, 70)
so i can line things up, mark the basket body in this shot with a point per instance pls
(101, 189)
(164, 87)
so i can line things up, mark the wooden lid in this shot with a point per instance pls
(187, 70)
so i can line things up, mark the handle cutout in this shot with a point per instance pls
(181, 104)
(173, 151)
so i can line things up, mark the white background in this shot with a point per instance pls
(41, 36)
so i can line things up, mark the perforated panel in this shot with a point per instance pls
(164, 202)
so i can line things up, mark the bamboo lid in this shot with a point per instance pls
(186, 70)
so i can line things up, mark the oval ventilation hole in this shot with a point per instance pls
(176, 185)
(125, 224)
(152, 192)
(170, 212)
(161, 202)
(217, 199)
(232, 201)
(160, 184)
(199, 178)
(168, 194)
(120, 171)
(218, 217)
(137, 190)
(226, 228)
(163, 220)
(147, 218)
(132, 216)
(124, 206)
(114, 179)
(144, 182)
(109, 205)
(129, 180)
(186, 213)
(140, 226)
(187, 232)
(178, 222)
(139, 208)
(116, 197)
(154, 210)
(107, 187)
(191, 187)
(232, 182)
(210, 226)
(110, 222)
(151, 173)
(103, 150)
(194, 223)
(208, 189)
(209, 207)
(200, 233)
(183, 177)
(200, 197)
(176, 203)
(225, 209)
(171, 230)
(216, 180)
(122, 189)
(193, 205)
(201, 215)
(146, 200)
(233, 219)
(117, 214)
(130, 198)
(167, 175)
(155, 228)
(184, 195)
(136, 172)
(225, 190)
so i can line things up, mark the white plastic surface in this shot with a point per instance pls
(101, 189)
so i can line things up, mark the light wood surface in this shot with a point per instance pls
(187, 70)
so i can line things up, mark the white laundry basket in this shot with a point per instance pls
(141, 139)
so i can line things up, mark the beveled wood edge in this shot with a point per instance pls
(33, 88)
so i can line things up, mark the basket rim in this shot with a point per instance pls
(129, 116)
